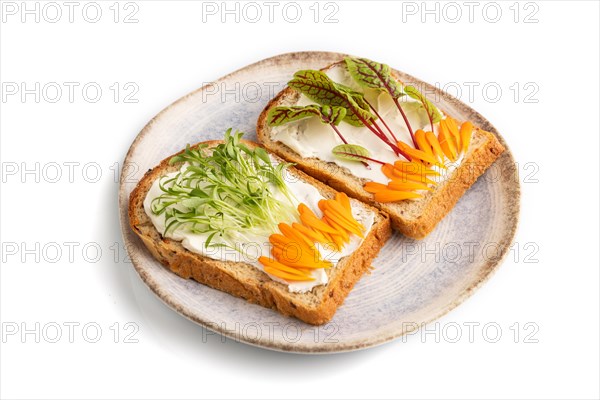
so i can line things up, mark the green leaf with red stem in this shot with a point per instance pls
(327, 114)
(433, 113)
(317, 86)
(320, 76)
(351, 152)
(358, 97)
(312, 74)
(332, 114)
(316, 75)
(373, 75)
(320, 88)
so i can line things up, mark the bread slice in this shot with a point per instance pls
(413, 218)
(246, 281)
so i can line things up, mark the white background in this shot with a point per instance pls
(550, 279)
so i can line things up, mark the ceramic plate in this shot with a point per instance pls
(412, 282)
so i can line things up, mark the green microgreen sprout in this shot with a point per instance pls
(226, 192)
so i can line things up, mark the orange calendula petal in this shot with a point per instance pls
(413, 178)
(299, 259)
(419, 154)
(388, 170)
(296, 235)
(309, 218)
(339, 242)
(392, 173)
(407, 186)
(343, 199)
(422, 142)
(341, 231)
(435, 145)
(388, 196)
(331, 244)
(414, 168)
(302, 208)
(312, 221)
(403, 177)
(374, 187)
(342, 222)
(321, 204)
(291, 243)
(315, 236)
(339, 211)
(335, 214)
(294, 251)
(453, 129)
(448, 149)
(308, 241)
(338, 208)
(277, 238)
(446, 142)
(466, 130)
(277, 266)
(271, 263)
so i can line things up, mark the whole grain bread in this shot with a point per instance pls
(246, 281)
(413, 218)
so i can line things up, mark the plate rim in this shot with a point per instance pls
(320, 348)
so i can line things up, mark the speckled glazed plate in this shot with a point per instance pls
(412, 283)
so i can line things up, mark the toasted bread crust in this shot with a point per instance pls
(413, 218)
(243, 280)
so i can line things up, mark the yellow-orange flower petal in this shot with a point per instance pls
(315, 236)
(407, 186)
(453, 129)
(422, 142)
(418, 154)
(296, 235)
(466, 129)
(344, 200)
(446, 141)
(414, 168)
(276, 268)
(374, 187)
(298, 259)
(309, 218)
(332, 216)
(435, 145)
(341, 231)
